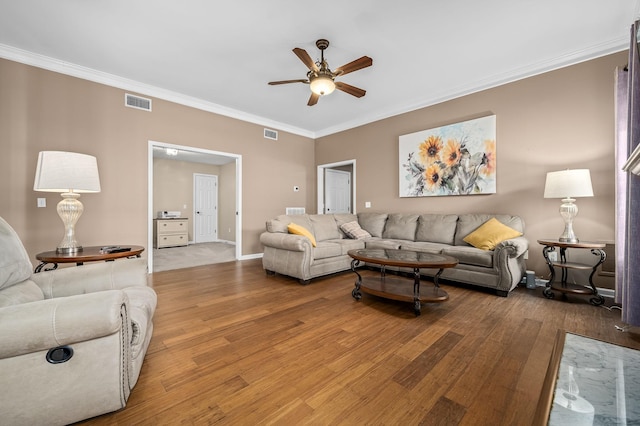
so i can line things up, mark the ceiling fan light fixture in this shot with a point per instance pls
(322, 85)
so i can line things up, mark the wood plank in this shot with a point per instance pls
(232, 345)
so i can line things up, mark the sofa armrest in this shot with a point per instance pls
(508, 260)
(514, 247)
(283, 241)
(38, 326)
(92, 277)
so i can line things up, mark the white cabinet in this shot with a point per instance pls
(171, 232)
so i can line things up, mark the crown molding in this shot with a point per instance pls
(67, 68)
(509, 76)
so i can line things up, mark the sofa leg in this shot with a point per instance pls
(304, 282)
(268, 272)
(502, 293)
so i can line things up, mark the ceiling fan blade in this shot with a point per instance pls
(272, 83)
(304, 57)
(313, 99)
(352, 66)
(352, 90)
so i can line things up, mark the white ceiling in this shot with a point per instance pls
(219, 56)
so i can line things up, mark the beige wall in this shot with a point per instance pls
(562, 119)
(173, 190)
(227, 203)
(42, 110)
(558, 120)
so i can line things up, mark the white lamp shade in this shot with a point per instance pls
(568, 184)
(59, 171)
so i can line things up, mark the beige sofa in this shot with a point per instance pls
(500, 269)
(72, 340)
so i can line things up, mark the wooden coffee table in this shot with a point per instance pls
(398, 288)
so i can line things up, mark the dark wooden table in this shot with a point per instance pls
(398, 288)
(88, 254)
(563, 286)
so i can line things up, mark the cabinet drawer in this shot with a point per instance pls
(171, 226)
(172, 240)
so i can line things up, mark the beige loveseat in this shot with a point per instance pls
(72, 340)
(294, 255)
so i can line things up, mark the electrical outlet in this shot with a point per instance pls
(553, 256)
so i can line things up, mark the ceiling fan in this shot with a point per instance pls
(321, 79)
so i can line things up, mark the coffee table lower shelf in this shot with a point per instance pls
(398, 288)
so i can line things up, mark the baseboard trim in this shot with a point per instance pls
(251, 256)
(604, 292)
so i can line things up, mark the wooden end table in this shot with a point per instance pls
(399, 288)
(88, 254)
(563, 286)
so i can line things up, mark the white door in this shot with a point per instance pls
(205, 206)
(337, 191)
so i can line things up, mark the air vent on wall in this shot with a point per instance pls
(271, 134)
(294, 210)
(137, 102)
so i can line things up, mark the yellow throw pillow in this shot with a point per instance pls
(301, 230)
(488, 235)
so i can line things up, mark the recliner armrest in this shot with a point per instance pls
(92, 277)
(38, 326)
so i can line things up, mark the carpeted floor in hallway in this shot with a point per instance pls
(169, 258)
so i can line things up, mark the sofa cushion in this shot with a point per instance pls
(401, 226)
(15, 265)
(353, 230)
(467, 223)
(299, 219)
(326, 249)
(373, 223)
(379, 243)
(301, 230)
(489, 234)
(437, 228)
(324, 227)
(423, 246)
(275, 225)
(348, 244)
(470, 255)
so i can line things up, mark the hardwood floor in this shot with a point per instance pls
(234, 346)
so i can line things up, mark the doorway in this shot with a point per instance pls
(340, 188)
(231, 187)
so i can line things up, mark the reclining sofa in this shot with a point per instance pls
(72, 340)
(499, 268)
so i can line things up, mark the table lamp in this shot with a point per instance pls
(69, 173)
(568, 185)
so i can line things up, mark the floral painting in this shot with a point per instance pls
(458, 159)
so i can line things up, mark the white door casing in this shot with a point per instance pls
(205, 208)
(320, 184)
(337, 191)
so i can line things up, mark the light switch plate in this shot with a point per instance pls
(367, 204)
(42, 202)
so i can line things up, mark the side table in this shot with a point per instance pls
(563, 286)
(88, 254)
